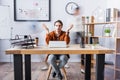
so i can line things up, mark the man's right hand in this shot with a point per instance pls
(71, 26)
(45, 27)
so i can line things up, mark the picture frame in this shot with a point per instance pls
(32, 10)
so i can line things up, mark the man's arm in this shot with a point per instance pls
(67, 38)
(48, 37)
(70, 27)
(46, 28)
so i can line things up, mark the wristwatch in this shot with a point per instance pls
(70, 6)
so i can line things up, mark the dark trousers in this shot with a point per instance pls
(82, 59)
(82, 44)
(81, 35)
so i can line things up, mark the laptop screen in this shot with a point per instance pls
(57, 44)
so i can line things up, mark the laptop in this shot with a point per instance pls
(57, 44)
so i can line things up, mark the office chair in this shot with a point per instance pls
(50, 68)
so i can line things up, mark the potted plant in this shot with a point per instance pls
(89, 34)
(93, 46)
(107, 31)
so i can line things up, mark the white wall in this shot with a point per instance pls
(57, 12)
(113, 4)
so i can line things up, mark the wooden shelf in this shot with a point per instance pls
(116, 66)
(102, 23)
(118, 54)
(104, 37)
(117, 69)
(93, 61)
(106, 65)
(101, 36)
(109, 66)
(117, 37)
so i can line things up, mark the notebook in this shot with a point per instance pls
(57, 44)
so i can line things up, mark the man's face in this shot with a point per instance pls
(58, 26)
(77, 12)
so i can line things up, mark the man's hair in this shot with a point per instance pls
(59, 22)
(77, 8)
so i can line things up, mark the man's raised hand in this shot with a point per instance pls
(71, 26)
(45, 27)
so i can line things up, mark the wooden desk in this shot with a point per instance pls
(72, 49)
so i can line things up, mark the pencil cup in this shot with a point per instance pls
(36, 41)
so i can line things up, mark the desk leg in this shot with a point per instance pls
(88, 67)
(100, 59)
(18, 67)
(27, 67)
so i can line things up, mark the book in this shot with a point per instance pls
(111, 14)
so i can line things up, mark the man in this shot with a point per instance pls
(57, 35)
(77, 33)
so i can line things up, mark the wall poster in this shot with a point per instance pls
(32, 10)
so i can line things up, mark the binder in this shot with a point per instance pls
(111, 14)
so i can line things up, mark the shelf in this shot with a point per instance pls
(106, 65)
(118, 54)
(101, 36)
(118, 37)
(109, 66)
(118, 46)
(98, 23)
(93, 61)
(117, 69)
(90, 27)
(117, 76)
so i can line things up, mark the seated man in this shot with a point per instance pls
(46, 65)
(57, 35)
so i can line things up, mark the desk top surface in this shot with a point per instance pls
(71, 49)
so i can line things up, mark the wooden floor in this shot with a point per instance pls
(73, 73)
